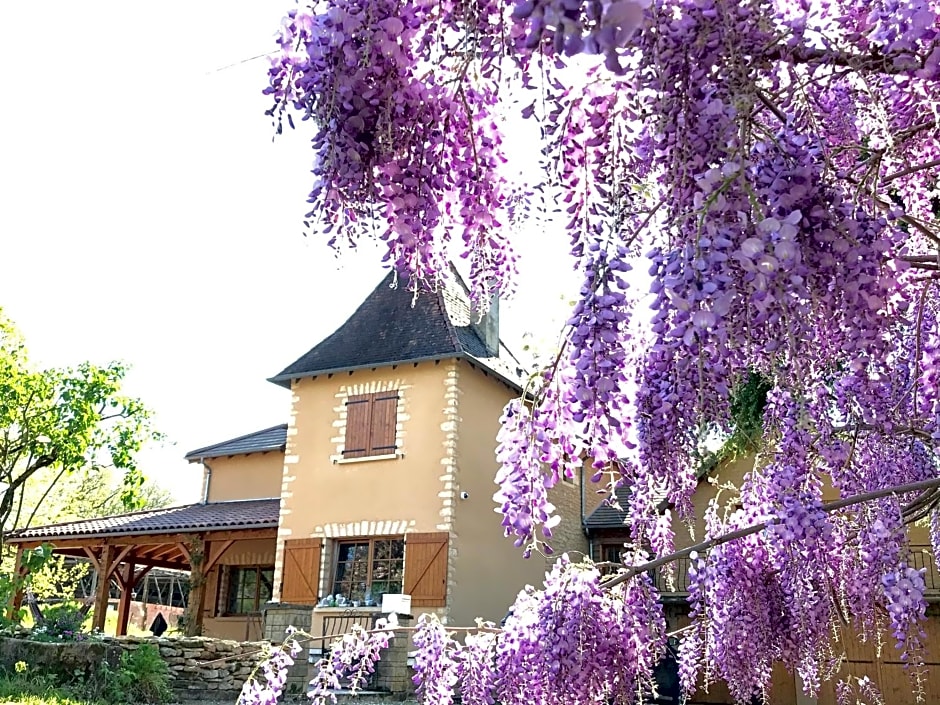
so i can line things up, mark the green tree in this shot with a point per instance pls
(63, 421)
(53, 496)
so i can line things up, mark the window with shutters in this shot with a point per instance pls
(366, 569)
(371, 420)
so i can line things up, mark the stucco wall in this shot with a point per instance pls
(488, 571)
(732, 473)
(729, 473)
(325, 496)
(259, 552)
(252, 476)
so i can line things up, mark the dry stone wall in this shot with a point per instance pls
(201, 668)
(68, 660)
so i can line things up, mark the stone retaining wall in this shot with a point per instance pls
(80, 659)
(201, 668)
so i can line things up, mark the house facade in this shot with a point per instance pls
(388, 474)
(380, 483)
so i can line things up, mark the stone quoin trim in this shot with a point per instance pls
(448, 477)
(449, 471)
(287, 479)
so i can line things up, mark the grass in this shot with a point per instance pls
(20, 691)
(47, 699)
(110, 626)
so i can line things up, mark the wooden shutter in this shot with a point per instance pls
(370, 424)
(384, 419)
(358, 422)
(426, 569)
(301, 571)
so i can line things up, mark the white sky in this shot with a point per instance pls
(146, 216)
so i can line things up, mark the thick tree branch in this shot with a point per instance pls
(911, 170)
(895, 63)
(756, 528)
(932, 261)
(45, 494)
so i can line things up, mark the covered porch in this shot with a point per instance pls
(197, 538)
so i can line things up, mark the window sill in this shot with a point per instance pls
(347, 608)
(368, 458)
(238, 616)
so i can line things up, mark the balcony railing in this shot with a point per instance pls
(922, 557)
(680, 588)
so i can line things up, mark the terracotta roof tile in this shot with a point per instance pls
(255, 514)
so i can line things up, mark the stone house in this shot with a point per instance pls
(381, 482)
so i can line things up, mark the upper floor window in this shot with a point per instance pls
(609, 553)
(370, 424)
(370, 567)
(249, 587)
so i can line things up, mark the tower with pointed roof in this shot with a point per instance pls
(391, 451)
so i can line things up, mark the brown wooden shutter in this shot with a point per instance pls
(301, 581)
(358, 422)
(384, 419)
(426, 569)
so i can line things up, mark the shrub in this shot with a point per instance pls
(142, 676)
(62, 622)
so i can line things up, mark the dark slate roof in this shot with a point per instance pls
(608, 517)
(393, 326)
(274, 438)
(248, 514)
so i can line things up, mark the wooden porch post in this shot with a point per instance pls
(203, 562)
(18, 575)
(196, 551)
(128, 580)
(145, 601)
(104, 584)
(127, 583)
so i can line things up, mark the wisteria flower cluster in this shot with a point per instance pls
(266, 685)
(350, 660)
(574, 642)
(776, 169)
(598, 645)
(402, 135)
